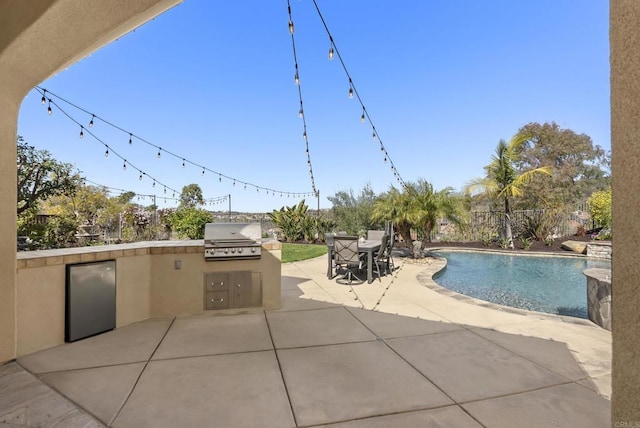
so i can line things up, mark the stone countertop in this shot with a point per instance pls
(105, 252)
(602, 275)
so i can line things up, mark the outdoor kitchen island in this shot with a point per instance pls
(153, 279)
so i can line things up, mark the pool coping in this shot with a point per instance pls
(426, 278)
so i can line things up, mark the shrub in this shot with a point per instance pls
(600, 208)
(295, 224)
(526, 242)
(543, 225)
(190, 222)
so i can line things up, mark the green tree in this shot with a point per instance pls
(191, 196)
(599, 204)
(352, 213)
(428, 206)
(40, 176)
(125, 198)
(418, 207)
(89, 202)
(190, 222)
(395, 206)
(503, 181)
(579, 166)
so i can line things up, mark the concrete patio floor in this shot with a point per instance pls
(395, 353)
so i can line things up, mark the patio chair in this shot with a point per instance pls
(382, 256)
(347, 256)
(330, 254)
(375, 235)
(390, 243)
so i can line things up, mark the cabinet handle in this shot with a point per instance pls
(238, 285)
(217, 300)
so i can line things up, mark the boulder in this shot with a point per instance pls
(575, 246)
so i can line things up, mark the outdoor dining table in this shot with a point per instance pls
(368, 247)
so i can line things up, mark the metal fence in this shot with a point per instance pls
(487, 224)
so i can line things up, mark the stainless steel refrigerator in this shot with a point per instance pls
(90, 299)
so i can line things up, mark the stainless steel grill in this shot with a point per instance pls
(232, 241)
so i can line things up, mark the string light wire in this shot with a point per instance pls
(214, 200)
(353, 93)
(301, 114)
(183, 159)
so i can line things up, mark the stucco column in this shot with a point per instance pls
(625, 143)
(8, 123)
(37, 39)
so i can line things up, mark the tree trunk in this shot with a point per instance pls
(405, 232)
(508, 234)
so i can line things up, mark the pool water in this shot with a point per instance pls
(555, 285)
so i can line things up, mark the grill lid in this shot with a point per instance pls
(232, 234)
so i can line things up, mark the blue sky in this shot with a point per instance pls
(442, 81)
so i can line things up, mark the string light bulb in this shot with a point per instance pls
(362, 117)
(125, 167)
(331, 52)
(296, 79)
(373, 135)
(291, 27)
(300, 113)
(43, 100)
(350, 91)
(153, 184)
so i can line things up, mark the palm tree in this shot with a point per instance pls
(418, 207)
(394, 206)
(503, 181)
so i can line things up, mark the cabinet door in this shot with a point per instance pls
(246, 288)
(217, 281)
(217, 300)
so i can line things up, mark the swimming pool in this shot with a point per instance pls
(555, 285)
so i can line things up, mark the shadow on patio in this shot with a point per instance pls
(321, 359)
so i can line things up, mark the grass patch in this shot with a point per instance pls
(297, 252)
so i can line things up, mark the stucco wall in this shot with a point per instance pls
(133, 289)
(625, 142)
(147, 285)
(40, 308)
(180, 291)
(37, 39)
